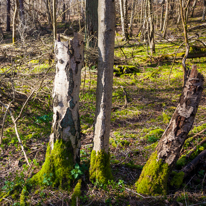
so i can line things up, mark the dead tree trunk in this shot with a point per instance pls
(63, 150)
(154, 177)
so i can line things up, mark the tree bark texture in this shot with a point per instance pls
(154, 177)
(63, 150)
(8, 19)
(92, 22)
(63, 10)
(100, 163)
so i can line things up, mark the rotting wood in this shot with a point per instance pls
(182, 120)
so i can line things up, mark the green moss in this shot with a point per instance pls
(182, 161)
(153, 135)
(56, 170)
(22, 196)
(100, 170)
(154, 176)
(77, 192)
(177, 179)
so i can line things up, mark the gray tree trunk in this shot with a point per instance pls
(63, 151)
(91, 22)
(164, 30)
(100, 163)
(48, 13)
(154, 176)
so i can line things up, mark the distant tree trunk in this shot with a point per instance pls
(193, 8)
(63, 150)
(48, 13)
(142, 12)
(15, 21)
(162, 14)
(132, 16)
(100, 159)
(204, 10)
(123, 13)
(54, 20)
(91, 22)
(21, 6)
(8, 19)
(166, 19)
(154, 176)
(63, 10)
(151, 28)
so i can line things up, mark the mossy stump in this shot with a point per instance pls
(56, 170)
(154, 176)
(100, 170)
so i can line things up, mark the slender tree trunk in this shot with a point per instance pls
(100, 163)
(154, 176)
(15, 21)
(8, 19)
(166, 19)
(132, 16)
(204, 10)
(142, 12)
(54, 20)
(151, 28)
(122, 17)
(63, 150)
(193, 8)
(91, 22)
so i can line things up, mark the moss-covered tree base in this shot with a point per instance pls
(100, 170)
(56, 170)
(154, 177)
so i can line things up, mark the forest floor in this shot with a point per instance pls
(146, 91)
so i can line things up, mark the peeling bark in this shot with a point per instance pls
(169, 146)
(66, 123)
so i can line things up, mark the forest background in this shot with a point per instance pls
(151, 40)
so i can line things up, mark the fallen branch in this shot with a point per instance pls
(192, 165)
(197, 27)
